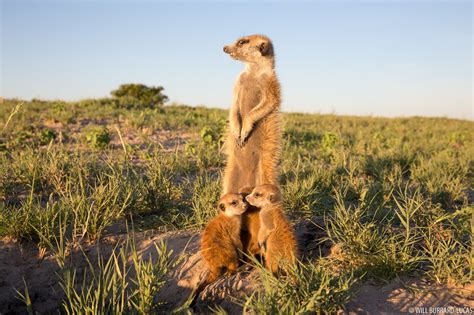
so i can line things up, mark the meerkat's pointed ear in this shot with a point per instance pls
(265, 48)
(222, 206)
(271, 197)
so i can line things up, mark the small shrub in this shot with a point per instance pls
(212, 137)
(99, 138)
(328, 141)
(46, 136)
(139, 96)
(203, 155)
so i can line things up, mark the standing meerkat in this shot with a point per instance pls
(253, 143)
(220, 242)
(275, 237)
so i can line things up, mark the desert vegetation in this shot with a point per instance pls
(395, 198)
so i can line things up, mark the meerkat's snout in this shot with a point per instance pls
(250, 199)
(244, 206)
(264, 195)
(226, 49)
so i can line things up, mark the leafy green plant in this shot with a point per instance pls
(212, 137)
(328, 141)
(99, 138)
(46, 136)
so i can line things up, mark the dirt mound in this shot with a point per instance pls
(20, 262)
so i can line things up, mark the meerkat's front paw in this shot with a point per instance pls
(238, 140)
(236, 135)
(244, 134)
(243, 139)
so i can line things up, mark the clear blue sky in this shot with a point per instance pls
(397, 58)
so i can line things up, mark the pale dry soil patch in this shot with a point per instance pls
(168, 140)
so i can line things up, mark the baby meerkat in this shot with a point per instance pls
(250, 227)
(220, 242)
(253, 142)
(275, 237)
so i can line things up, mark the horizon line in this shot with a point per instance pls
(175, 103)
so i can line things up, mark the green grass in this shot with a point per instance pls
(117, 286)
(307, 289)
(397, 194)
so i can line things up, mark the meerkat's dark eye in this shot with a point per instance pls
(234, 203)
(258, 194)
(242, 42)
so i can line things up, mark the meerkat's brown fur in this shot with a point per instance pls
(250, 227)
(276, 236)
(220, 243)
(253, 143)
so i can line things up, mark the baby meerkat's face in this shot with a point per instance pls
(253, 48)
(232, 204)
(264, 195)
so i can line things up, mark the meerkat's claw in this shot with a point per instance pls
(241, 142)
(237, 141)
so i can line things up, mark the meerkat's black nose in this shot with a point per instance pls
(226, 49)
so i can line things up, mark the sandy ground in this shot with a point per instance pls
(167, 140)
(20, 262)
(409, 296)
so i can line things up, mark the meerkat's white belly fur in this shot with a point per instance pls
(257, 161)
